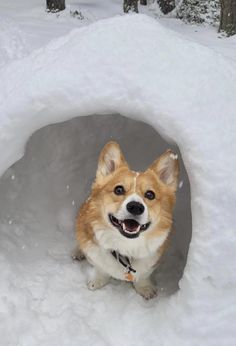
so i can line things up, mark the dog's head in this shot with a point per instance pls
(134, 204)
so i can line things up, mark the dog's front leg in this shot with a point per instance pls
(77, 254)
(145, 288)
(100, 279)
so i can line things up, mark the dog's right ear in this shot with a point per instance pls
(110, 159)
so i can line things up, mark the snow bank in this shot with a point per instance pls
(12, 41)
(133, 66)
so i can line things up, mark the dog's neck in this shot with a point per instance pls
(129, 271)
(124, 261)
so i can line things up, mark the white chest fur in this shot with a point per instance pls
(142, 253)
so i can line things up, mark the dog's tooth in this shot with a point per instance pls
(138, 229)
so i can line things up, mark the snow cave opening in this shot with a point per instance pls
(41, 193)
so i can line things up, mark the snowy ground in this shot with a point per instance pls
(44, 299)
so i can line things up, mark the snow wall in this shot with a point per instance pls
(132, 66)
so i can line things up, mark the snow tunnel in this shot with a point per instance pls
(59, 100)
(42, 192)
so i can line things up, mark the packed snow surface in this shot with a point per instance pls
(134, 66)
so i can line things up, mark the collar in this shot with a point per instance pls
(125, 262)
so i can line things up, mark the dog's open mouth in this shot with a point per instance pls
(129, 228)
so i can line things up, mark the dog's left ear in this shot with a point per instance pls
(167, 168)
(110, 159)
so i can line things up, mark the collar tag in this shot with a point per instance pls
(129, 277)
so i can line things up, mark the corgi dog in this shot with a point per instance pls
(123, 227)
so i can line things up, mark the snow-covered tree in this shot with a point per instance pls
(55, 5)
(228, 17)
(166, 5)
(199, 11)
(130, 6)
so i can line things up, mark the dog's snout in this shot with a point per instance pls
(135, 208)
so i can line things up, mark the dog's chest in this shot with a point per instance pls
(121, 267)
(140, 247)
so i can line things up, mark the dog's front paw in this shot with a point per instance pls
(99, 281)
(77, 254)
(147, 290)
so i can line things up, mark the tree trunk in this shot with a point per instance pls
(130, 6)
(55, 5)
(166, 6)
(228, 17)
(143, 2)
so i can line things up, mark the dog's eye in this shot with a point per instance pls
(119, 190)
(149, 195)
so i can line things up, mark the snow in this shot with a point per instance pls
(138, 67)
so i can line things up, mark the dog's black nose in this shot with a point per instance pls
(135, 208)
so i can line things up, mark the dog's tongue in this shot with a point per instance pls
(131, 225)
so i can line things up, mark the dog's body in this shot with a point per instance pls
(123, 227)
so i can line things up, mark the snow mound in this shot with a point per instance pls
(133, 66)
(13, 44)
